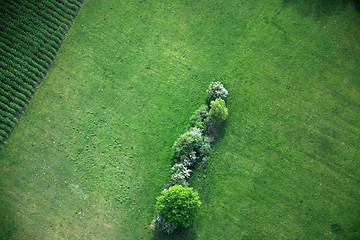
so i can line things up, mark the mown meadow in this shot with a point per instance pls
(92, 151)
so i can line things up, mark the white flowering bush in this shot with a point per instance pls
(196, 131)
(216, 90)
(180, 174)
(180, 168)
(191, 147)
(190, 160)
(164, 226)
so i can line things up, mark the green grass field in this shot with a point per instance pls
(93, 149)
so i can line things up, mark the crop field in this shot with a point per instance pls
(93, 149)
(30, 35)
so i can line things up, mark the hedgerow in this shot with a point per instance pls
(177, 205)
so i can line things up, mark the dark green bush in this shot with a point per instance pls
(202, 119)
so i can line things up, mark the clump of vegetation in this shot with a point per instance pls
(177, 207)
(180, 174)
(202, 119)
(165, 226)
(218, 109)
(191, 147)
(178, 204)
(216, 90)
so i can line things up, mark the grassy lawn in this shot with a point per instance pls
(92, 151)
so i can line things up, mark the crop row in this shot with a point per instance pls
(31, 33)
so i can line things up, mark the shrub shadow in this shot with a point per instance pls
(221, 131)
(179, 234)
(7, 223)
(322, 8)
(357, 5)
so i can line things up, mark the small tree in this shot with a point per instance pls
(178, 205)
(216, 90)
(218, 109)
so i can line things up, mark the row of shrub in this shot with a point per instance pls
(178, 203)
(30, 35)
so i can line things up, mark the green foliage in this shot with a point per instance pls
(178, 205)
(204, 120)
(218, 109)
(191, 147)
